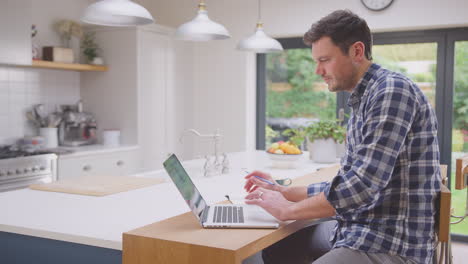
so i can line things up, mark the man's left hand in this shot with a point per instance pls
(272, 201)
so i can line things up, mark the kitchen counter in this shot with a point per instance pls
(100, 221)
(83, 151)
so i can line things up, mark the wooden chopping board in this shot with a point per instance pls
(97, 185)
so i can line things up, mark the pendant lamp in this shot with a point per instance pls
(118, 13)
(260, 42)
(201, 28)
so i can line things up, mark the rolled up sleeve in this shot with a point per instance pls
(316, 188)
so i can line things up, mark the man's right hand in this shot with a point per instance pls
(252, 183)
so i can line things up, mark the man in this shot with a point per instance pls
(384, 194)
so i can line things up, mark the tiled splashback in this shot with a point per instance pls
(21, 88)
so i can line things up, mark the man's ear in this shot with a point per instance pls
(357, 51)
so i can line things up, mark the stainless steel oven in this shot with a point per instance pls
(19, 169)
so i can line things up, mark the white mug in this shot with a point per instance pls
(111, 138)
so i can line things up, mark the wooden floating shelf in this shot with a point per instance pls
(67, 66)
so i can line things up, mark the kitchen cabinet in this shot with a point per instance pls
(118, 162)
(140, 94)
(15, 32)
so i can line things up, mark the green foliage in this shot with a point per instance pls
(89, 46)
(296, 136)
(326, 129)
(387, 63)
(296, 67)
(270, 134)
(457, 141)
(294, 103)
(460, 99)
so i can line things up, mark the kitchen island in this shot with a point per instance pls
(48, 227)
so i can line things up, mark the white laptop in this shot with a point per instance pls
(220, 215)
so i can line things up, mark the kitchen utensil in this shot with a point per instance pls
(40, 114)
(53, 120)
(32, 117)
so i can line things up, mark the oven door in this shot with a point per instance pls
(17, 173)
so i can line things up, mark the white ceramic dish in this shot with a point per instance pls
(284, 161)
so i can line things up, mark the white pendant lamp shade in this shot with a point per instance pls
(117, 13)
(260, 42)
(201, 28)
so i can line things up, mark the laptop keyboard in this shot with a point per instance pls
(228, 214)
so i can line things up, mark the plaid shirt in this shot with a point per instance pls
(384, 194)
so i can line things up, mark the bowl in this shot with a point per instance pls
(284, 161)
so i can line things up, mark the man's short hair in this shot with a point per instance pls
(344, 28)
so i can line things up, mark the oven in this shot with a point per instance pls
(19, 169)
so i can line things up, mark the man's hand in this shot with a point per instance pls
(277, 205)
(252, 183)
(272, 201)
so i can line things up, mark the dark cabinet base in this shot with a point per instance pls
(22, 249)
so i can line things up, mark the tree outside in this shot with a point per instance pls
(296, 96)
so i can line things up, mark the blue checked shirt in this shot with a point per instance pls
(384, 194)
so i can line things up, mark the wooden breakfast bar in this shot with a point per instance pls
(181, 239)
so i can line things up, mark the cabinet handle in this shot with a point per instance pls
(120, 163)
(87, 167)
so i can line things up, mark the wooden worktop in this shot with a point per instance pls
(181, 239)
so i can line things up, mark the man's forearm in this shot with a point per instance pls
(294, 194)
(313, 207)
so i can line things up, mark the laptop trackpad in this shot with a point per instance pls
(254, 213)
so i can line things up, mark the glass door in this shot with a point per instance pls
(295, 95)
(459, 128)
(418, 61)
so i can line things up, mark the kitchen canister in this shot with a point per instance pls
(111, 137)
(50, 135)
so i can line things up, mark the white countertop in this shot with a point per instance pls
(100, 221)
(87, 150)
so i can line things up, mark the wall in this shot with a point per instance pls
(224, 78)
(21, 88)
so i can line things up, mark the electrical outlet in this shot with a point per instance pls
(461, 173)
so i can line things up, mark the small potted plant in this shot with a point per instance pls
(323, 137)
(91, 49)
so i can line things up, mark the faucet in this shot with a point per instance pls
(219, 167)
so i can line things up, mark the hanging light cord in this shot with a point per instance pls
(259, 12)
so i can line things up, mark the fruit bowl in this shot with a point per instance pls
(284, 157)
(284, 161)
(284, 154)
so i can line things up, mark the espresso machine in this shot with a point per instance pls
(77, 128)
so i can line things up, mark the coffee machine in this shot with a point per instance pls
(77, 128)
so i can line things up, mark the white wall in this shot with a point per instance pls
(224, 78)
(45, 13)
(21, 88)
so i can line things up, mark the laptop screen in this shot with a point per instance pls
(185, 185)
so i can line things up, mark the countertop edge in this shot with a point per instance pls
(117, 245)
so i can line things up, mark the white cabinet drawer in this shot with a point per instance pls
(108, 164)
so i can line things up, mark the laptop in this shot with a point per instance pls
(219, 215)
